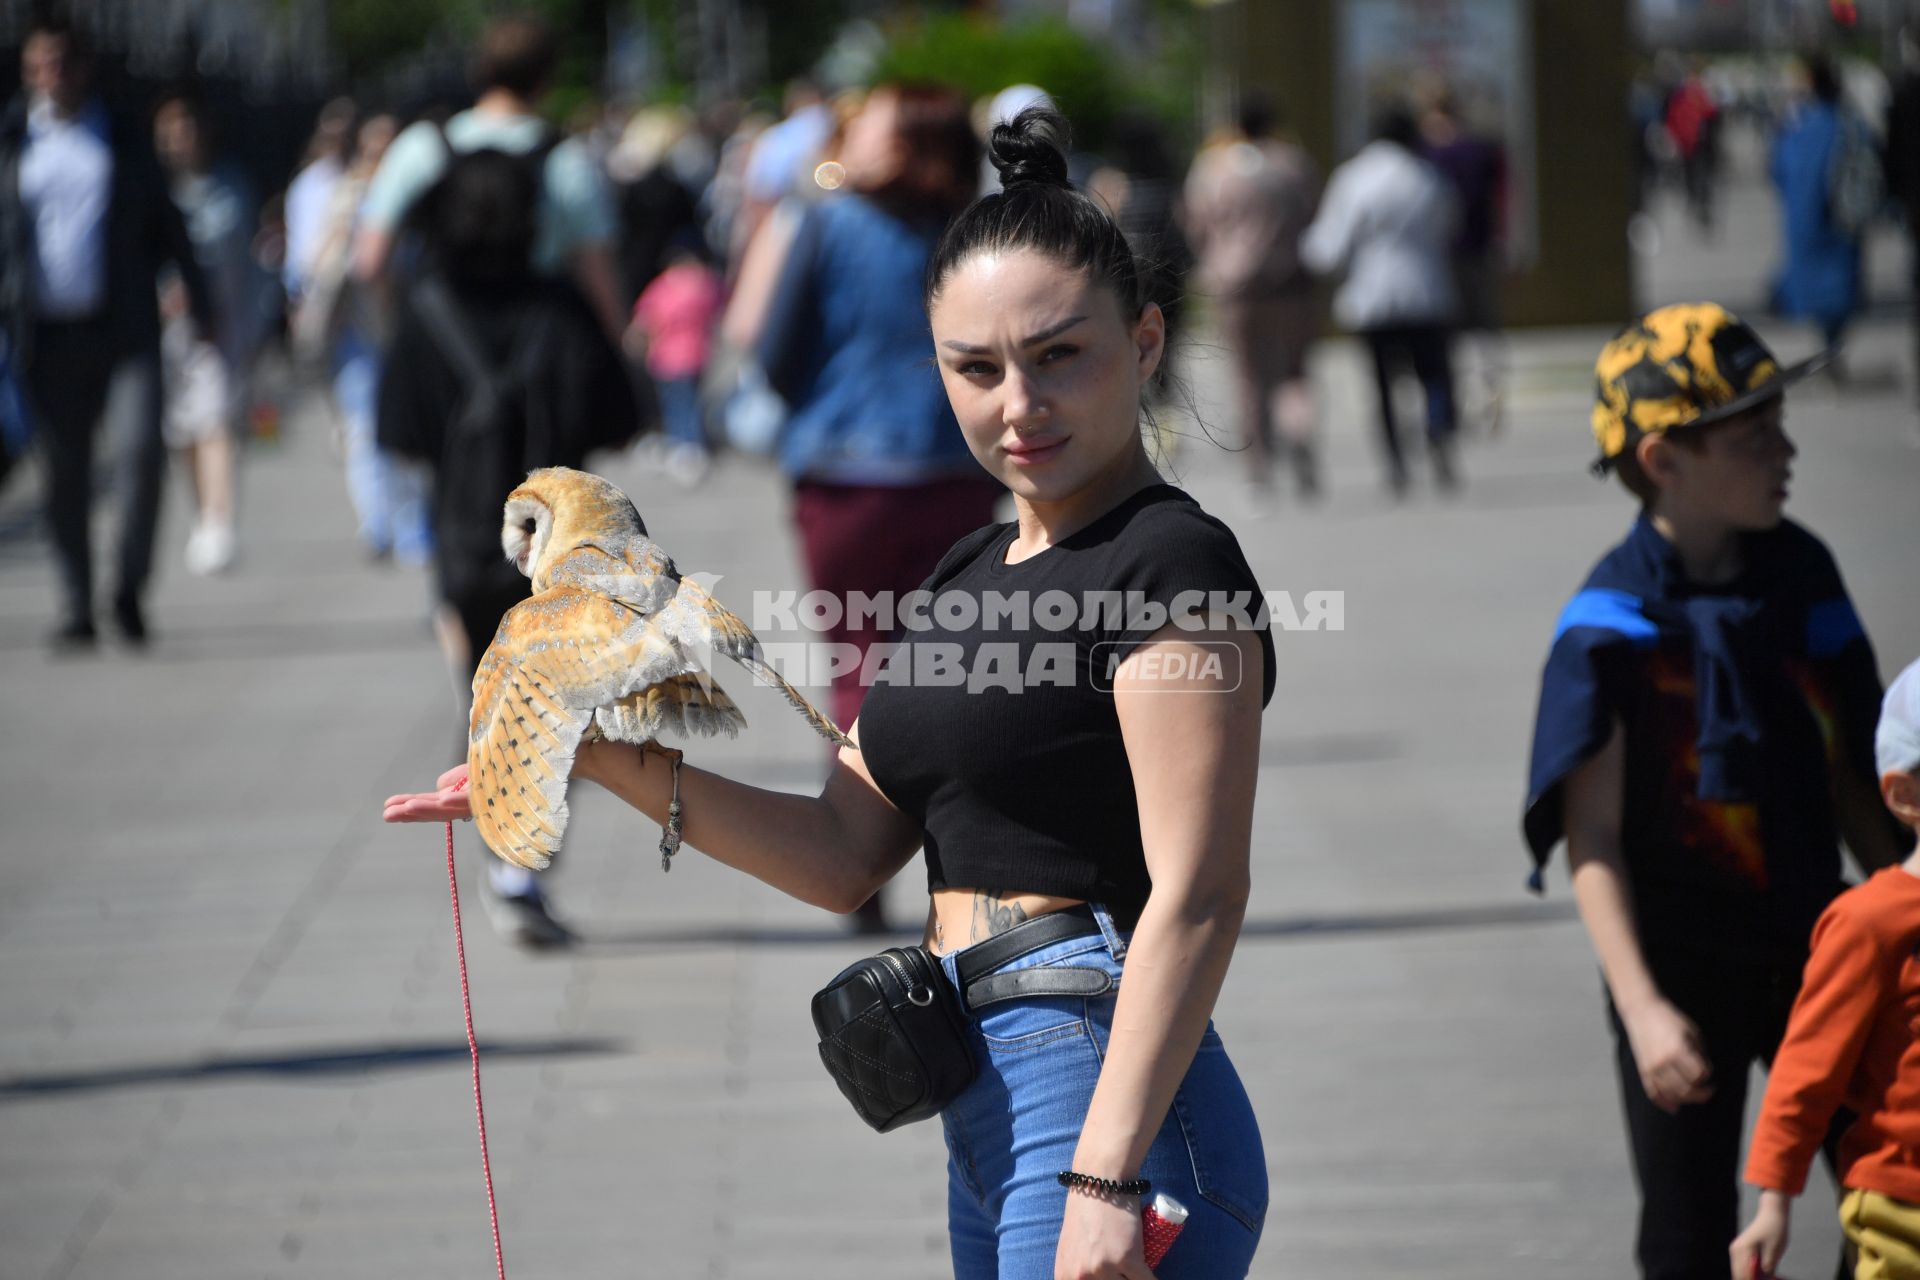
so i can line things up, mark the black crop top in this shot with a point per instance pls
(992, 722)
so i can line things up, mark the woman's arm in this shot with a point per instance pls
(761, 268)
(1327, 243)
(1193, 745)
(833, 850)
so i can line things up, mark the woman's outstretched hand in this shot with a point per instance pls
(443, 805)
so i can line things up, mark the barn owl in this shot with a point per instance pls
(610, 645)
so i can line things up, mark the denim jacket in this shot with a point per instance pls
(847, 344)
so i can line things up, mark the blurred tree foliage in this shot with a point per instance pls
(372, 37)
(970, 49)
(1091, 84)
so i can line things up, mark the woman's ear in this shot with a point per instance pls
(1150, 339)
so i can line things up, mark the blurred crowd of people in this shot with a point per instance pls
(1838, 143)
(701, 243)
(480, 293)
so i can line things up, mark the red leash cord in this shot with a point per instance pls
(473, 1048)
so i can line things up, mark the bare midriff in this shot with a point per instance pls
(959, 918)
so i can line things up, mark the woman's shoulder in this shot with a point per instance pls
(1163, 538)
(1166, 515)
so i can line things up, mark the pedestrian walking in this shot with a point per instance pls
(1820, 147)
(578, 232)
(208, 383)
(339, 325)
(575, 234)
(1248, 200)
(882, 478)
(656, 191)
(89, 228)
(1693, 126)
(1476, 165)
(1703, 742)
(495, 370)
(1083, 830)
(1387, 221)
(309, 196)
(672, 331)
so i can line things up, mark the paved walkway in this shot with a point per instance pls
(230, 1040)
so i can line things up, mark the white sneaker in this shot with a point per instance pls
(211, 549)
(687, 464)
(524, 919)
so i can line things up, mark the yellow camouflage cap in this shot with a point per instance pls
(1682, 366)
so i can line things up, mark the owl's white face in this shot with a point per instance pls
(524, 532)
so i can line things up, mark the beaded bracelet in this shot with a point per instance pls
(670, 833)
(1106, 1186)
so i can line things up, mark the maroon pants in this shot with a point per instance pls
(870, 538)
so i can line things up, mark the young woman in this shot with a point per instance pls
(1091, 824)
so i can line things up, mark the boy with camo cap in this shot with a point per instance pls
(1704, 740)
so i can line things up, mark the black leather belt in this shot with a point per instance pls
(981, 986)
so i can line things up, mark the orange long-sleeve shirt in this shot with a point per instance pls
(1852, 1040)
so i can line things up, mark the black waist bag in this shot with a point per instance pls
(894, 1038)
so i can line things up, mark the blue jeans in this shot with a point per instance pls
(389, 495)
(1017, 1125)
(680, 410)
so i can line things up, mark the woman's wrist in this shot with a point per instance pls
(621, 769)
(1109, 1163)
(1109, 1189)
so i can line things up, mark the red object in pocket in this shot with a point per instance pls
(1164, 1219)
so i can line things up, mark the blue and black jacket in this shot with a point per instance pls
(1741, 704)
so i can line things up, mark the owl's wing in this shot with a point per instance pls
(701, 624)
(563, 660)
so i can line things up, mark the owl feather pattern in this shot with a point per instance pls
(613, 644)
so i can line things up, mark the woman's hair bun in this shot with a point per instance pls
(1031, 149)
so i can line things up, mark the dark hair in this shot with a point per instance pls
(1037, 209)
(58, 24)
(1258, 114)
(516, 54)
(185, 96)
(942, 169)
(1822, 76)
(1396, 124)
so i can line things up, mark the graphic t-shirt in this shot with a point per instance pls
(1742, 705)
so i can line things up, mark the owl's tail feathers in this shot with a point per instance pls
(691, 705)
(731, 636)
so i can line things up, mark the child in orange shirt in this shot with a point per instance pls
(1851, 1042)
